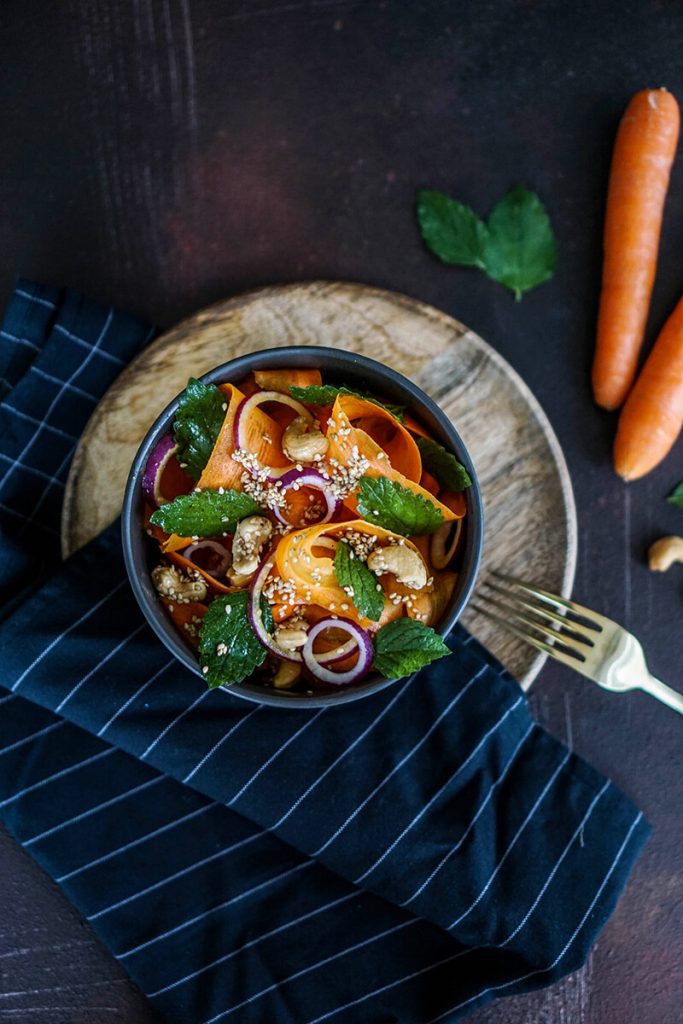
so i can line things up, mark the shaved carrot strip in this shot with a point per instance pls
(411, 424)
(455, 501)
(184, 616)
(188, 566)
(429, 483)
(283, 380)
(401, 449)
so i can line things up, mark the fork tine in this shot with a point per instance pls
(576, 646)
(558, 602)
(544, 612)
(553, 652)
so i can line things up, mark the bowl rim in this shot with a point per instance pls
(133, 536)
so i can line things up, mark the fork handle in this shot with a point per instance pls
(656, 688)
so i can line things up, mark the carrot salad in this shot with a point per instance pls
(307, 533)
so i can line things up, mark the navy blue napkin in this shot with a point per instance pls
(404, 858)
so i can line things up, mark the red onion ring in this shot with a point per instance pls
(213, 545)
(256, 617)
(365, 653)
(338, 654)
(259, 398)
(309, 478)
(439, 554)
(156, 464)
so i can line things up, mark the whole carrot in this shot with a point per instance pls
(639, 178)
(652, 417)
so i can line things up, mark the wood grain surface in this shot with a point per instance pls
(530, 519)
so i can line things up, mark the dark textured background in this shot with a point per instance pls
(161, 154)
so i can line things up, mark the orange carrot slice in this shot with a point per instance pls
(186, 618)
(283, 380)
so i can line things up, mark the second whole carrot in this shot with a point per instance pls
(652, 417)
(639, 179)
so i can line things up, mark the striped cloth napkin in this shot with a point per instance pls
(407, 857)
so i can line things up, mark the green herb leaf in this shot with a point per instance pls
(325, 394)
(228, 647)
(520, 248)
(405, 646)
(676, 496)
(197, 424)
(205, 513)
(386, 503)
(442, 464)
(450, 229)
(353, 573)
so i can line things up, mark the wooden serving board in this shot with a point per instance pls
(529, 506)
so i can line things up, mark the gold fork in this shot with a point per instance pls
(591, 644)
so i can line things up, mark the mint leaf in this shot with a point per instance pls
(386, 503)
(451, 230)
(676, 496)
(520, 248)
(205, 513)
(442, 464)
(405, 646)
(229, 649)
(198, 420)
(325, 394)
(353, 573)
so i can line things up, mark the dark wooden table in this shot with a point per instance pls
(161, 155)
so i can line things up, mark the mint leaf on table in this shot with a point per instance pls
(386, 503)
(520, 249)
(354, 574)
(515, 247)
(197, 423)
(450, 229)
(229, 649)
(205, 513)
(405, 646)
(443, 465)
(326, 394)
(676, 496)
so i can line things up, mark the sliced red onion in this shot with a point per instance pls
(162, 451)
(439, 554)
(259, 398)
(365, 653)
(256, 617)
(219, 549)
(296, 478)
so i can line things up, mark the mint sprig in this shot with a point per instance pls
(197, 423)
(405, 646)
(205, 513)
(326, 394)
(229, 649)
(515, 247)
(443, 465)
(386, 503)
(354, 574)
(676, 496)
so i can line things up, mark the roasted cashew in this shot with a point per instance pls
(250, 536)
(176, 585)
(664, 552)
(406, 565)
(289, 639)
(302, 441)
(288, 673)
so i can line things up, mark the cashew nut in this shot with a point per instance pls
(171, 582)
(664, 552)
(302, 441)
(289, 639)
(250, 536)
(406, 565)
(288, 673)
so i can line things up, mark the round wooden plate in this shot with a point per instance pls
(529, 507)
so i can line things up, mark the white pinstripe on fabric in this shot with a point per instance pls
(96, 668)
(120, 710)
(400, 764)
(53, 643)
(202, 696)
(57, 775)
(139, 841)
(36, 422)
(65, 383)
(482, 807)
(61, 469)
(86, 344)
(20, 341)
(273, 757)
(18, 515)
(29, 469)
(179, 874)
(438, 793)
(8, 697)
(222, 740)
(253, 942)
(57, 380)
(513, 841)
(93, 810)
(35, 298)
(33, 736)
(341, 757)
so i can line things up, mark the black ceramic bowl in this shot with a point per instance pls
(337, 367)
